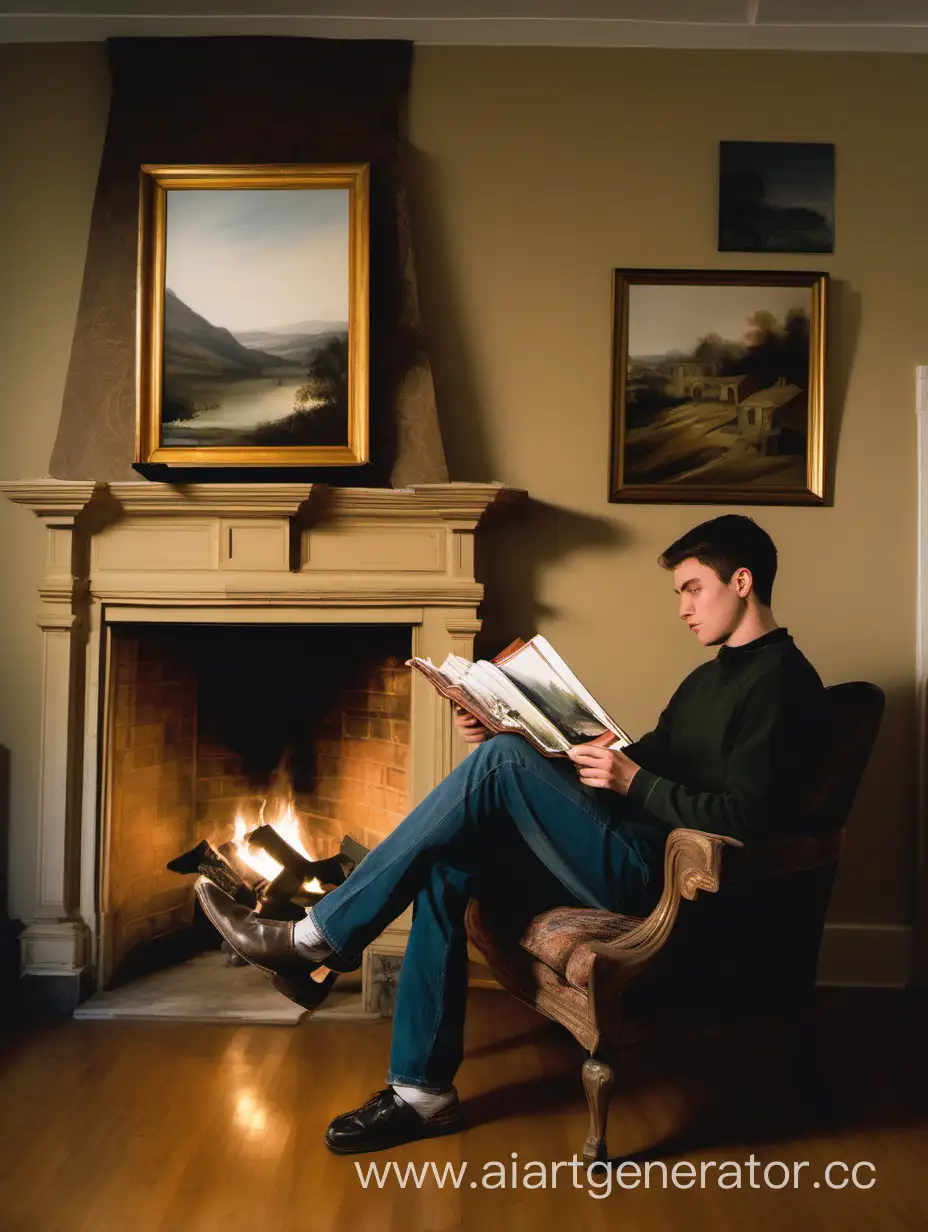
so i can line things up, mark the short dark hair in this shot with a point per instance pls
(725, 544)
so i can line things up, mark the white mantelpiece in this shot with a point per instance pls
(260, 553)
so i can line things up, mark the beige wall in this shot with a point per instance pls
(53, 103)
(535, 173)
(538, 172)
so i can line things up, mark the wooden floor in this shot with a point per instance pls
(109, 1127)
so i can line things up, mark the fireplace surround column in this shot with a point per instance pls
(55, 941)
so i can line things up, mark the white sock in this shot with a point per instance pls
(309, 941)
(426, 1103)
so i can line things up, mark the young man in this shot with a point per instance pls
(730, 755)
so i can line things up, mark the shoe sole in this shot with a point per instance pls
(310, 966)
(292, 990)
(428, 1131)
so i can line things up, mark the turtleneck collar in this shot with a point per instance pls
(739, 654)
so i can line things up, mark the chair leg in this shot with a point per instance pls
(598, 1077)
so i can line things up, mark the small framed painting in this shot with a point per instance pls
(776, 196)
(719, 387)
(253, 309)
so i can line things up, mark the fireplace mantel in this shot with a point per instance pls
(261, 553)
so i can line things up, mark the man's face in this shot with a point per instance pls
(710, 607)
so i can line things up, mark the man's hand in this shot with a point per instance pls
(606, 768)
(471, 729)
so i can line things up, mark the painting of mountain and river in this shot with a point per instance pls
(256, 312)
(718, 386)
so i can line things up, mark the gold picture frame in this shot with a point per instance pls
(719, 387)
(252, 330)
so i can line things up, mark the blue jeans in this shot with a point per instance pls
(507, 821)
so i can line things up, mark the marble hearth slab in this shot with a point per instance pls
(205, 989)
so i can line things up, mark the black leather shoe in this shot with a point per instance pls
(386, 1121)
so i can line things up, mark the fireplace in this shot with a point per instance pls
(214, 731)
(210, 648)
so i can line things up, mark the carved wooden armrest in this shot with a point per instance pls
(692, 862)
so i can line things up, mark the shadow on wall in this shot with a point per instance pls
(878, 859)
(844, 313)
(512, 554)
(461, 416)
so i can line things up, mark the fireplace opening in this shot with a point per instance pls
(214, 732)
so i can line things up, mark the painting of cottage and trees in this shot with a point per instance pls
(715, 385)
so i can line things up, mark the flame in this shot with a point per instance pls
(287, 826)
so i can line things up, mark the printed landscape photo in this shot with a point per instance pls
(256, 312)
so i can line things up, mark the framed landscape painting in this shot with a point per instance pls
(719, 387)
(253, 307)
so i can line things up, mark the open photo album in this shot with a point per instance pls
(530, 690)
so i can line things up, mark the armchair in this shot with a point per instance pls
(750, 948)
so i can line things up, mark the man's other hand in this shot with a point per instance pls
(609, 769)
(471, 729)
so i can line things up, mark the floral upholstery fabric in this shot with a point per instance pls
(560, 938)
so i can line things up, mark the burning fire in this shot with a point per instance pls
(288, 827)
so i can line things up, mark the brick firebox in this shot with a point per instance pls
(207, 725)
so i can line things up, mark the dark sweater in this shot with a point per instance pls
(733, 750)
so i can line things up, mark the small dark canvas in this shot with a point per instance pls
(776, 196)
